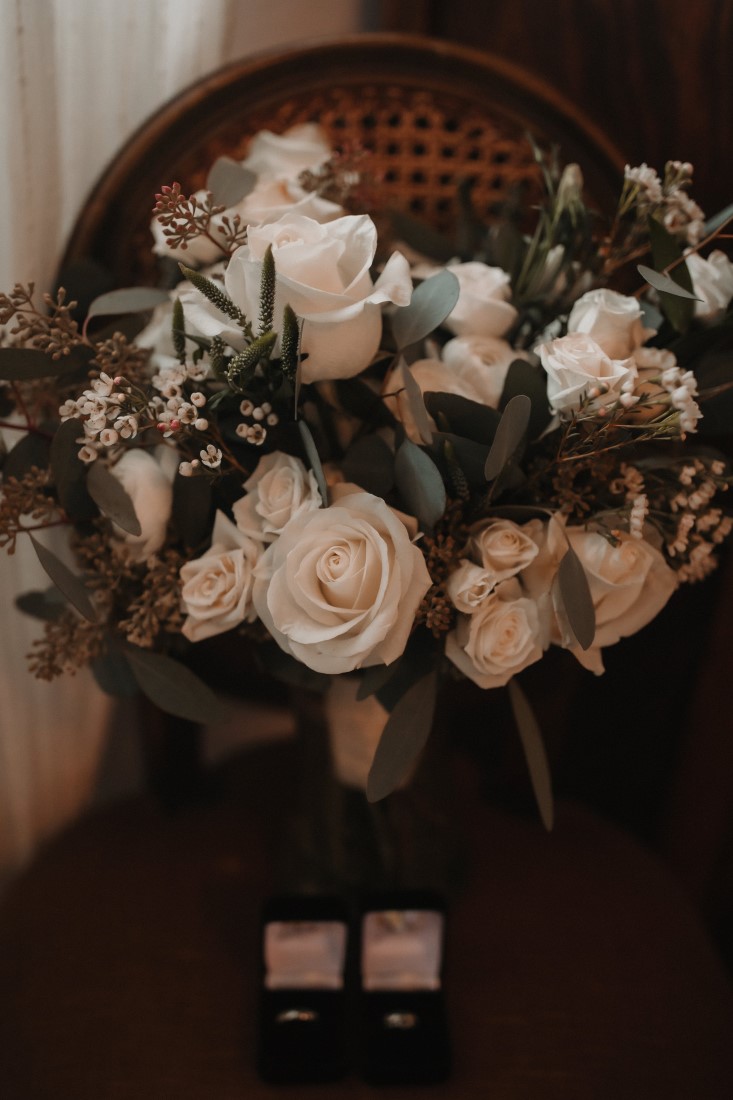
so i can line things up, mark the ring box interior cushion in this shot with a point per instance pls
(302, 1010)
(404, 1028)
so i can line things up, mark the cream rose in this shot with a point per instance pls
(217, 587)
(340, 587)
(712, 282)
(503, 548)
(483, 307)
(148, 481)
(279, 489)
(629, 583)
(576, 363)
(499, 639)
(613, 320)
(469, 585)
(288, 154)
(323, 274)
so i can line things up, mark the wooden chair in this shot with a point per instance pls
(128, 951)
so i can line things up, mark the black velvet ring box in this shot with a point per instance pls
(302, 1001)
(404, 1029)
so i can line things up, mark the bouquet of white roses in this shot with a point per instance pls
(373, 452)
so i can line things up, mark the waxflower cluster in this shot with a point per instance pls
(350, 454)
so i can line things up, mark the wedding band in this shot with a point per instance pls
(296, 1015)
(401, 1021)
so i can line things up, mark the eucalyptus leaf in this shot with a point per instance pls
(431, 303)
(461, 416)
(416, 404)
(173, 687)
(69, 472)
(577, 599)
(112, 499)
(403, 738)
(229, 181)
(374, 679)
(420, 484)
(509, 434)
(664, 284)
(534, 752)
(30, 450)
(131, 299)
(314, 458)
(369, 462)
(113, 674)
(46, 605)
(471, 456)
(524, 378)
(66, 581)
(27, 364)
(718, 221)
(666, 251)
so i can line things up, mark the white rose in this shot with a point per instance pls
(148, 481)
(217, 587)
(279, 489)
(499, 639)
(483, 307)
(469, 585)
(576, 363)
(712, 281)
(276, 155)
(629, 584)
(613, 320)
(503, 548)
(323, 274)
(340, 587)
(269, 200)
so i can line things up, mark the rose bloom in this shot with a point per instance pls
(483, 307)
(469, 585)
(576, 363)
(274, 156)
(503, 636)
(613, 320)
(217, 587)
(503, 548)
(629, 584)
(147, 478)
(279, 489)
(340, 587)
(323, 274)
(712, 282)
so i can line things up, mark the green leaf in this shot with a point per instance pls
(510, 433)
(70, 473)
(30, 450)
(431, 303)
(462, 416)
(416, 403)
(718, 221)
(664, 284)
(173, 687)
(267, 291)
(577, 600)
(523, 377)
(27, 364)
(131, 299)
(369, 462)
(314, 458)
(403, 738)
(420, 484)
(46, 605)
(112, 499)
(534, 752)
(471, 456)
(66, 581)
(666, 250)
(229, 181)
(374, 679)
(114, 675)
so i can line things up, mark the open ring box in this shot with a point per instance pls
(302, 1006)
(404, 1027)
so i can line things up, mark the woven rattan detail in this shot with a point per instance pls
(422, 145)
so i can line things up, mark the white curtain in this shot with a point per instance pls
(76, 78)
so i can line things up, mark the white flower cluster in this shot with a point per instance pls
(681, 216)
(101, 411)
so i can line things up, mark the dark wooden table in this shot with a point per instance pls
(129, 952)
